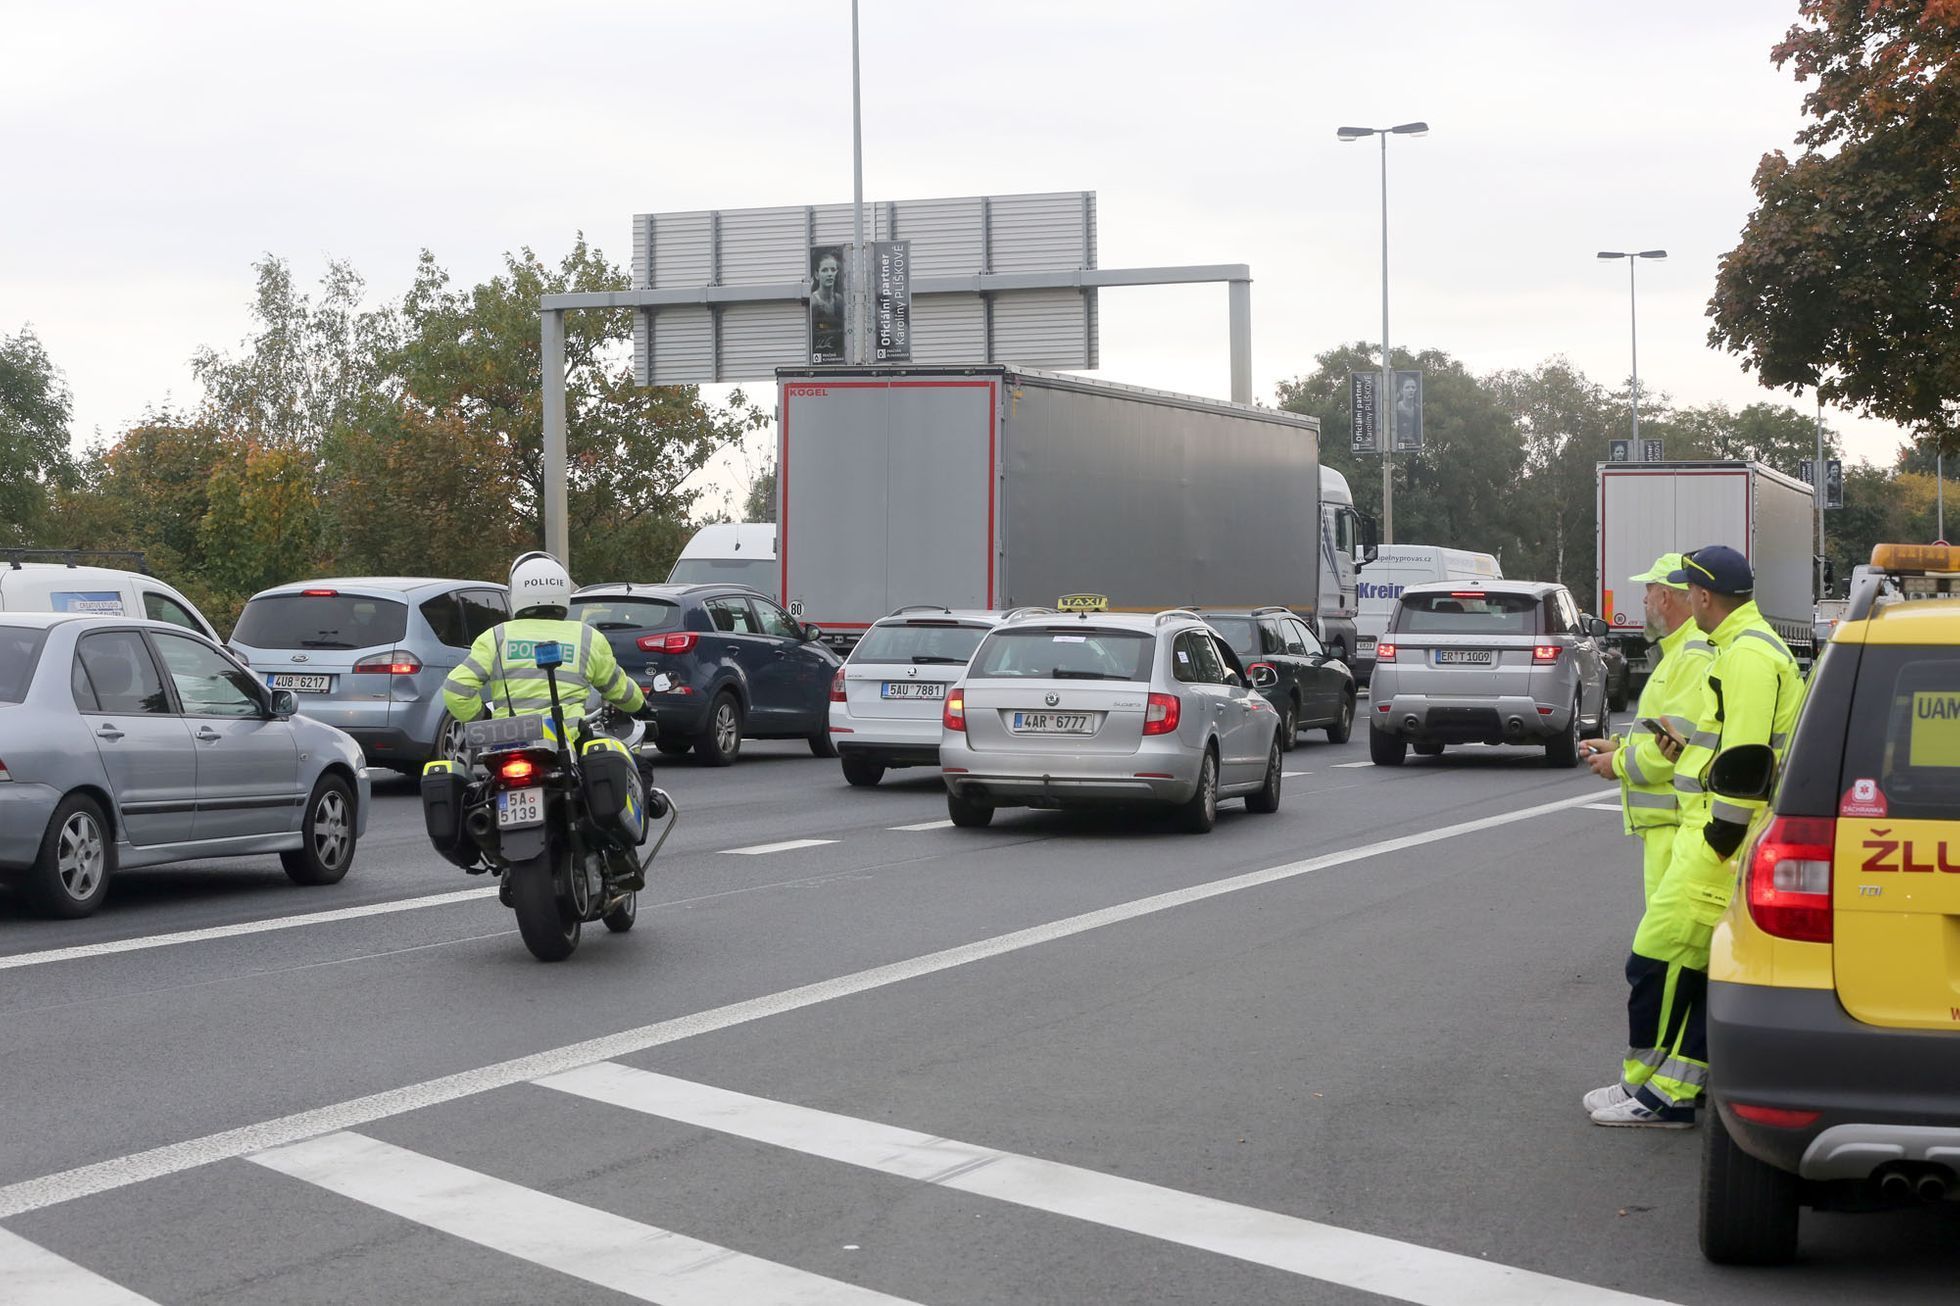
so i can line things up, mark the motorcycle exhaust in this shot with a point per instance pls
(479, 825)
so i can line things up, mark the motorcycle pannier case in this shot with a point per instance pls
(612, 789)
(443, 783)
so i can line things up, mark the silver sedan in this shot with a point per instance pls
(129, 743)
(1069, 710)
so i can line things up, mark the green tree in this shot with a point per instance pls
(1844, 276)
(1565, 421)
(34, 460)
(761, 502)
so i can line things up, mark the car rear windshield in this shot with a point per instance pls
(619, 612)
(1242, 633)
(945, 643)
(1466, 614)
(1064, 653)
(20, 649)
(321, 621)
(1904, 732)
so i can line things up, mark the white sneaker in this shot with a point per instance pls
(1632, 1113)
(1601, 1098)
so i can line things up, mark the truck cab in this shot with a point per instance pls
(1347, 544)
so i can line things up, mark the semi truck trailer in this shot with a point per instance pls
(996, 487)
(1647, 509)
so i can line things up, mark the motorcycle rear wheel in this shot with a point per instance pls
(549, 926)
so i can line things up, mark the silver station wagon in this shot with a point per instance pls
(886, 700)
(1490, 662)
(126, 742)
(1084, 709)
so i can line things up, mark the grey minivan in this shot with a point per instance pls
(1488, 662)
(126, 742)
(369, 654)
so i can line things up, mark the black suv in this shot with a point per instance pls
(718, 663)
(1315, 689)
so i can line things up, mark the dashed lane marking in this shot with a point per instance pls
(787, 845)
(1602, 807)
(1349, 766)
(923, 825)
(1288, 775)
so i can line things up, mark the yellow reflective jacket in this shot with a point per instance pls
(1672, 695)
(1752, 695)
(502, 670)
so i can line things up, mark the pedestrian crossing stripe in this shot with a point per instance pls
(34, 1276)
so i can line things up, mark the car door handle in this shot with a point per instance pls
(109, 732)
(782, 652)
(208, 735)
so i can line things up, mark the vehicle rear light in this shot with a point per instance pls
(1384, 651)
(1467, 594)
(517, 770)
(1381, 707)
(1790, 878)
(1544, 655)
(837, 687)
(5, 775)
(1544, 711)
(320, 594)
(1160, 717)
(682, 641)
(396, 663)
(1775, 1116)
(954, 717)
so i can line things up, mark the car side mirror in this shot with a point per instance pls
(1264, 675)
(1597, 627)
(1746, 771)
(811, 634)
(285, 704)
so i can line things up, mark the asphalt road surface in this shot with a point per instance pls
(851, 1054)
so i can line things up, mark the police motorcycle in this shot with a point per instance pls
(562, 817)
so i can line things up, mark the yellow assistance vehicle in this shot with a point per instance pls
(1834, 978)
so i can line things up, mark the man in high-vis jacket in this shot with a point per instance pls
(501, 670)
(1751, 696)
(1672, 697)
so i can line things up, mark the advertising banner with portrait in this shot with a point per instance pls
(1407, 413)
(827, 300)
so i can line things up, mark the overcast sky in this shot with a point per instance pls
(154, 151)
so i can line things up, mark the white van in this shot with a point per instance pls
(105, 591)
(1395, 568)
(730, 553)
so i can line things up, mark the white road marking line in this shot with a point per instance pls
(30, 1273)
(924, 825)
(173, 1158)
(787, 845)
(1326, 1252)
(148, 941)
(1288, 775)
(1349, 766)
(1602, 807)
(640, 1260)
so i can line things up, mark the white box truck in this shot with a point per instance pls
(1395, 568)
(1647, 509)
(995, 487)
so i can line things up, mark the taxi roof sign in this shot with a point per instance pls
(1898, 558)
(1083, 603)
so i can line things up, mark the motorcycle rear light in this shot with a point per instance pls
(1544, 655)
(397, 663)
(837, 687)
(1789, 878)
(517, 770)
(680, 641)
(1161, 716)
(1775, 1116)
(955, 714)
(1384, 651)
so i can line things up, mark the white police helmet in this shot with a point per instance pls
(538, 580)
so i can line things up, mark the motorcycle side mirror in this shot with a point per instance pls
(1747, 771)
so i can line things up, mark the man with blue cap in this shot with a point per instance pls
(1751, 695)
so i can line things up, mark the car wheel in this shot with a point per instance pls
(1200, 814)
(1564, 750)
(1343, 726)
(620, 919)
(70, 878)
(1289, 725)
(822, 745)
(1265, 799)
(1749, 1210)
(1385, 749)
(863, 774)
(449, 740)
(326, 836)
(673, 747)
(967, 815)
(721, 743)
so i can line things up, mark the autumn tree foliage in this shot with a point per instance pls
(1847, 276)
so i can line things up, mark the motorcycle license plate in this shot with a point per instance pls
(517, 808)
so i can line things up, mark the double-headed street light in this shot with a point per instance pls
(1384, 405)
(1636, 451)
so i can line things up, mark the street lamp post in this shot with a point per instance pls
(1633, 317)
(1384, 403)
